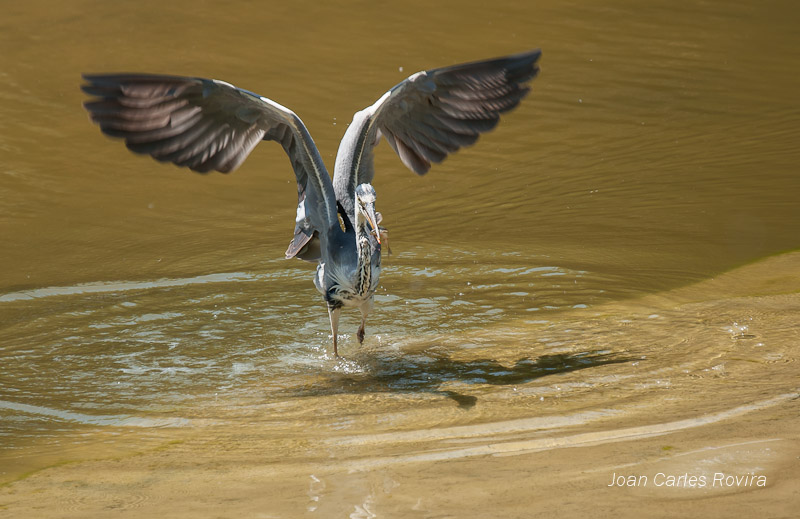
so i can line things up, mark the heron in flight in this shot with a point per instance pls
(207, 124)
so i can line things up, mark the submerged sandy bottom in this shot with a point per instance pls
(691, 397)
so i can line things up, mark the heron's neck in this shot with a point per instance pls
(364, 268)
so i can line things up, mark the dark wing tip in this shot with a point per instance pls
(525, 66)
(520, 62)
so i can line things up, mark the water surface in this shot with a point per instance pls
(603, 284)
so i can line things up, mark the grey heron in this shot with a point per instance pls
(207, 124)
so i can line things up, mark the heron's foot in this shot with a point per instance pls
(336, 356)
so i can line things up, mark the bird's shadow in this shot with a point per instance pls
(418, 373)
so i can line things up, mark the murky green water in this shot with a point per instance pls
(567, 282)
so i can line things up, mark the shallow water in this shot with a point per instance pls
(600, 286)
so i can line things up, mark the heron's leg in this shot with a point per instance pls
(333, 313)
(361, 331)
(365, 309)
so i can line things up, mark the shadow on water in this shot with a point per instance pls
(426, 374)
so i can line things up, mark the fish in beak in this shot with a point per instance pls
(372, 220)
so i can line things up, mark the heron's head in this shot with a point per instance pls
(365, 206)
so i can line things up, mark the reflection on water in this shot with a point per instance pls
(68, 416)
(429, 371)
(561, 284)
(94, 288)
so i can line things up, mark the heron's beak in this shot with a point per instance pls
(372, 219)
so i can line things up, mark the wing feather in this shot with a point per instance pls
(432, 114)
(207, 125)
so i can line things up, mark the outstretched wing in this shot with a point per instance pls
(432, 114)
(206, 125)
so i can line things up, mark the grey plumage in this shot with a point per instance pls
(208, 125)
